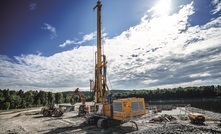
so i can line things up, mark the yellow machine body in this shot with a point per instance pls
(124, 109)
(128, 108)
(197, 117)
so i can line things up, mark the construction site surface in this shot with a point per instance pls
(162, 121)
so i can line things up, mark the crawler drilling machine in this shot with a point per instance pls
(109, 112)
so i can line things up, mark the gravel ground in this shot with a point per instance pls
(179, 129)
(211, 126)
(29, 122)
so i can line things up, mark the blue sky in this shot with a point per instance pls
(50, 45)
(29, 23)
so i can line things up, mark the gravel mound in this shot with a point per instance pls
(179, 129)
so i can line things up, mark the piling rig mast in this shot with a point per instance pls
(100, 67)
(109, 112)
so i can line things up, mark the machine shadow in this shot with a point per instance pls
(90, 129)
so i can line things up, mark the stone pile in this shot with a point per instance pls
(163, 118)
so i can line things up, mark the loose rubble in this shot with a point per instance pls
(179, 129)
(163, 118)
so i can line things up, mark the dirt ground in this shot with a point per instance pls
(32, 121)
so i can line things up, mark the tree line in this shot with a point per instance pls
(175, 93)
(11, 99)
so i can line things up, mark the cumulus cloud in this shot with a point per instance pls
(62, 71)
(158, 52)
(165, 51)
(51, 29)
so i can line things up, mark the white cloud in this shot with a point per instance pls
(214, 2)
(67, 42)
(159, 52)
(167, 50)
(87, 37)
(184, 84)
(199, 75)
(60, 71)
(217, 4)
(51, 29)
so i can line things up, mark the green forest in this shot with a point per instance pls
(11, 99)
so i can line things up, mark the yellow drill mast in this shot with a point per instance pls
(109, 112)
(100, 68)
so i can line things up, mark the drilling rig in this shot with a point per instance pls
(109, 112)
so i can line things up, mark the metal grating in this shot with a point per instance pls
(134, 106)
(117, 106)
